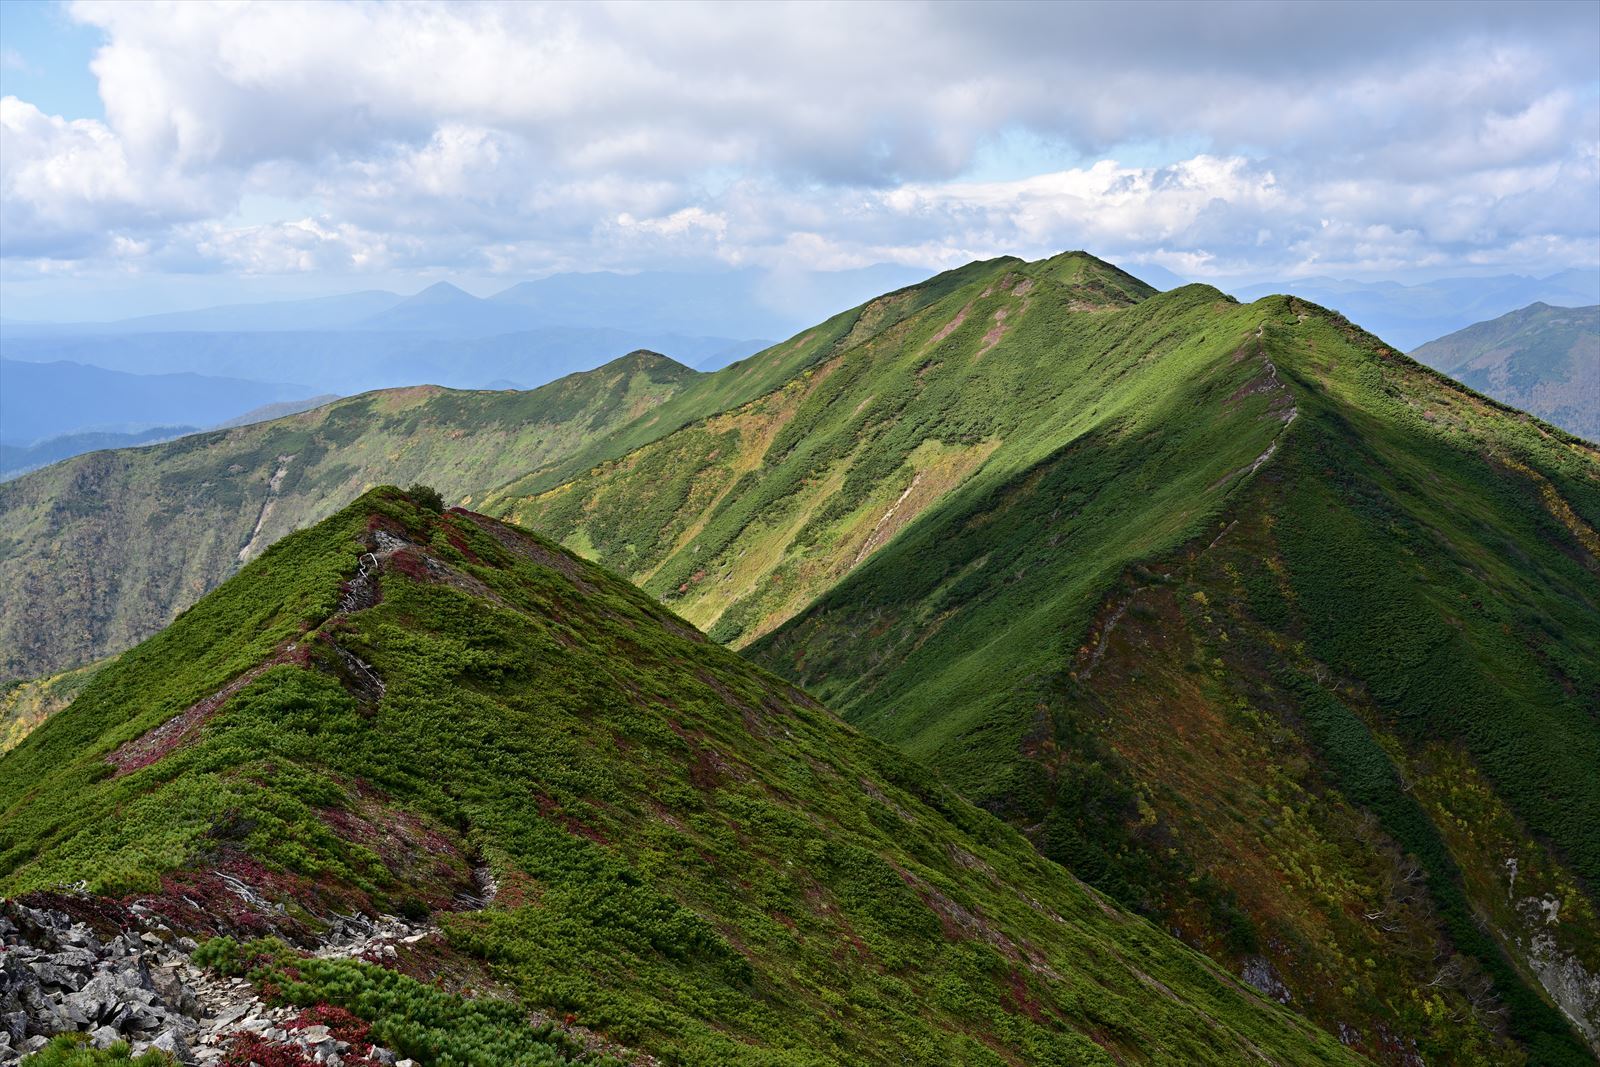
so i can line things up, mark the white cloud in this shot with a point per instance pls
(518, 137)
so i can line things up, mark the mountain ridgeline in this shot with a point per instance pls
(1356, 606)
(104, 549)
(690, 859)
(1542, 359)
(1262, 629)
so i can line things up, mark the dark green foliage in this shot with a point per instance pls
(426, 496)
(69, 1050)
(410, 1019)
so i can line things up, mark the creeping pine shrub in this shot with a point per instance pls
(426, 496)
(69, 1050)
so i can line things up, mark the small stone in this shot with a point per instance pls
(172, 1043)
(52, 976)
(77, 959)
(104, 1037)
(231, 1015)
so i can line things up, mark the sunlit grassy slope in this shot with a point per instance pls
(740, 519)
(695, 859)
(1265, 630)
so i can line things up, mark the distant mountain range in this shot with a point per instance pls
(61, 409)
(530, 333)
(1542, 359)
(354, 361)
(39, 401)
(17, 460)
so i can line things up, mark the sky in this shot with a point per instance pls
(163, 155)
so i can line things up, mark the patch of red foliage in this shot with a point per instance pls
(517, 890)
(341, 1023)
(253, 1050)
(177, 731)
(704, 772)
(1020, 999)
(459, 543)
(422, 857)
(411, 563)
(549, 809)
(376, 522)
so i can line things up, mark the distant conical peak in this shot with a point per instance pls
(440, 291)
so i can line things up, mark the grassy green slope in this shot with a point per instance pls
(694, 858)
(1542, 359)
(100, 551)
(743, 518)
(1428, 563)
(758, 375)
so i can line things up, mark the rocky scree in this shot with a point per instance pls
(139, 986)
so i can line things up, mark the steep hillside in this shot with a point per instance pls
(1261, 628)
(959, 505)
(743, 518)
(102, 550)
(688, 858)
(1542, 359)
(1341, 718)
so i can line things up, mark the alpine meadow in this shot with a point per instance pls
(430, 638)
